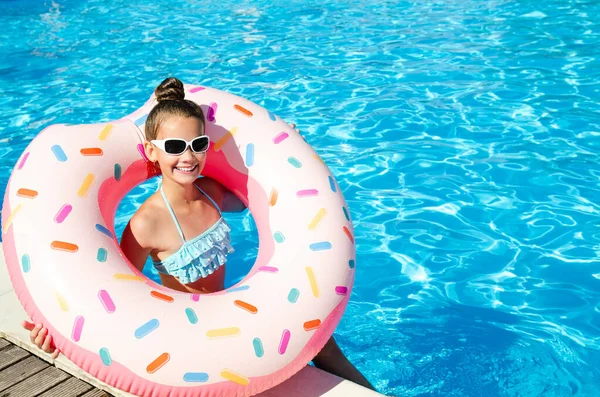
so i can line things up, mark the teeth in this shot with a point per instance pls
(185, 169)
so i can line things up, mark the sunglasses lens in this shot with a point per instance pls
(200, 144)
(174, 146)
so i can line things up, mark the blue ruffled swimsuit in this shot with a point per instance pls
(200, 256)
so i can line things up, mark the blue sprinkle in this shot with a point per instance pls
(351, 263)
(59, 153)
(346, 214)
(258, 347)
(103, 230)
(146, 328)
(139, 122)
(293, 295)
(105, 356)
(118, 172)
(320, 246)
(332, 184)
(195, 377)
(191, 315)
(279, 237)
(26, 263)
(250, 155)
(102, 254)
(272, 116)
(242, 288)
(295, 162)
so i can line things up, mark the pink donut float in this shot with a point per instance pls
(69, 273)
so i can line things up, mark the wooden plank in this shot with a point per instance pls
(21, 370)
(3, 343)
(70, 387)
(95, 393)
(11, 355)
(38, 383)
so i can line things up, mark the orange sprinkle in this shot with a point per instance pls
(158, 363)
(123, 276)
(243, 110)
(64, 246)
(161, 296)
(312, 324)
(319, 158)
(273, 198)
(91, 151)
(348, 234)
(246, 306)
(223, 140)
(28, 193)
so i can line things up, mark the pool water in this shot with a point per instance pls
(465, 136)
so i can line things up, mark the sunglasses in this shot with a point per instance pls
(176, 146)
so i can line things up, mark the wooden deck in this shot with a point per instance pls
(25, 375)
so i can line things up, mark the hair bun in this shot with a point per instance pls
(171, 89)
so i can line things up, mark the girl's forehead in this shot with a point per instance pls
(180, 127)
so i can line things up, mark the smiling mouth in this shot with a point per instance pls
(187, 170)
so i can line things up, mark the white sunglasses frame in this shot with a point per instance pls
(160, 143)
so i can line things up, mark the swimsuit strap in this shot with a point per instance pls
(172, 213)
(210, 198)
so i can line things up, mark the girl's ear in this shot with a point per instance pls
(150, 151)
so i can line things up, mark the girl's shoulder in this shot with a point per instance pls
(146, 220)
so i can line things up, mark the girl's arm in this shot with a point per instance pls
(135, 240)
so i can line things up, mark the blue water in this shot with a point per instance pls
(465, 136)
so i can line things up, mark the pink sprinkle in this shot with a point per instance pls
(195, 297)
(307, 193)
(23, 160)
(140, 148)
(341, 290)
(62, 214)
(280, 138)
(269, 269)
(107, 301)
(212, 111)
(285, 339)
(77, 328)
(196, 89)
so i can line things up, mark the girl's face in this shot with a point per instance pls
(186, 167)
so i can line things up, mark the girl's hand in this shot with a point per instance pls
(39, 337)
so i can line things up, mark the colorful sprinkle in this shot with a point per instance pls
(195, 297)
(346, 214)
(258, 347)
(280, 138)
(139, 122)
(132, 277)
(351, 263)
(236, 378)
(271, 116)
(313, 281)
(312, 324)
(87, 182)
(320, 246)
(64, 246)
(237, 289)
(59, 153)
(347, 231)
(191, 315)
(212, 111)
(27, 193)
(317, 219)
(196, 89)
(62, 213)
(145, 329)
(243, 110)
(105, 132)
(102, 255)
(23, 160)
(294, 162)
(105, 356)
(77, 328)
(307, 193)
(117, 172)
(273, 197)
(285, 340)
(341, 290)
(142, 152)
(246, 306)
(107, 301)
(250, 155)
(162, 297)
(158, 363)
(223, 140)
(193, 377)
(332, 184)
(11, 217)
(222, 332)
(319, 158)
(91, 151)
(62, 302)
(103, 230)
(25, 263)
(293, 295)
(268, 269)
(279, 237)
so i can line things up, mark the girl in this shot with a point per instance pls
(180, 226)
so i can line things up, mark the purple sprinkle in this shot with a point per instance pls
(307, 193)
(269, 269)
(280, 138)
(341, 290)
(196, 89)
(23, 160)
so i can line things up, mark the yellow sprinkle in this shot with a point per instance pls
(123, 276)
(221, 141)
(319, 158)
(315, 221)
(105, 132)
(237, 378)
(11, 217)
(62, 302)
(87, 182)
(223, 332)
(313, 281)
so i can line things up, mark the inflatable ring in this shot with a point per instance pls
(109, 319)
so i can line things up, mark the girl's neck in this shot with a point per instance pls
(178, 194)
